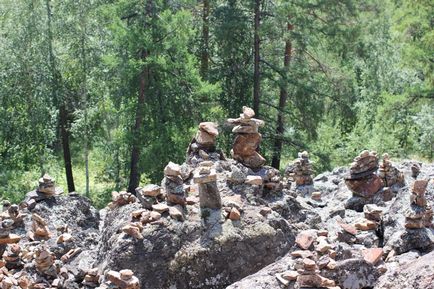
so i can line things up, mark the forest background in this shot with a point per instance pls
(102, 94)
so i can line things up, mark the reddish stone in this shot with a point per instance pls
(246, 144)
(348, 228)
(372, 255)
(305, 239)
(365, 187)
(419, 187)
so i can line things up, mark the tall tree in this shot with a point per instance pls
(143, 90)
(56, 88)
(256, 60)
(204, 60)
(282, 103)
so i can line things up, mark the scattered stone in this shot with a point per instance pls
(254, 180)
(365, 225)
(160, 208)
(302, 254)
(234, 214)
(176, 213)
(172, 170)
(372, 212)
(151, 190)
(134, 230)
(305, 239)
(373, 255)
(290, 275)
(316, 196)
(265, 211)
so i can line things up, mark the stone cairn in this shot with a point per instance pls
(6, 226)
(363, 181)
(173, 184)
(91, 279)
(390, 174)
(419, 214)
(46, 185)
(247, 140)
(203, 145)
(121, 198)
(300, 171)
(39, 230)
(124, 279)
(46, 189)
(11, 257)
(44, 261)
(206, 178)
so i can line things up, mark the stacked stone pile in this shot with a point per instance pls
(44, 261)
(300, 171)
(391, 175)
(12, 258)
(91, 279)
(206, 179)
(120, 199)
(247, 139)
(39, 230)
(124, 279)
(362, 180)
(173, 184)
(203, 146)
(419, 214)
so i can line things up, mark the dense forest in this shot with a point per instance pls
(102, 94)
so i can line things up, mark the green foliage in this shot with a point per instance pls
(360, 77)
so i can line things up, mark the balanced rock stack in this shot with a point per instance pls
(309, 276)
(203, 143)
(124, 279)
(417, 214)
(173, 184)
(44, 261)
(11, 256)
(363, 181)
(91, 279)
(247, 140)
(39, 228)
(6, 237)
(390, 174)
(46, 185)
(206, 178)
(121, 199)
(300, 171)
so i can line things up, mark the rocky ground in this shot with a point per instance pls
(216, 223)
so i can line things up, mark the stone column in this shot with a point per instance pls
(209, 195)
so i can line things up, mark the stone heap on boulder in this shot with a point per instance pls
(418, 215)
(300, 171)
(203, 146)
(123, 279)
(120, 199)
(391, 175)
(46, 189)
(247, 140)
(363, 181)
(206, 178)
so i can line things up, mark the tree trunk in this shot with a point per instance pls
(256, 72)
(63, 118)
(63, 113)
(135, 151)
(205, 40)
(278, 142)
(85, 96)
